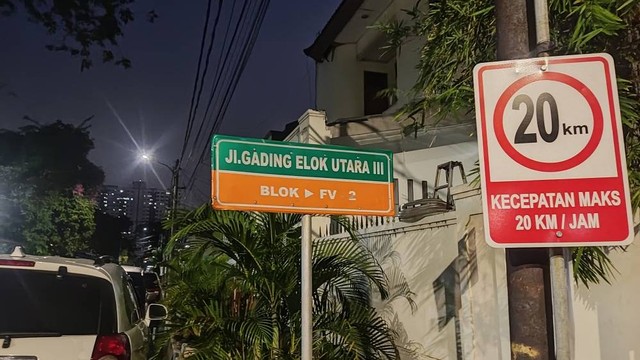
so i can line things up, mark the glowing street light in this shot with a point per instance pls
(148, 158)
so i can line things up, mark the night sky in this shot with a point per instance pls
(152, 98)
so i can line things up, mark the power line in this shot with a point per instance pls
(222, 68)
(195, 83)
(245, 59)
(244, 56)
(206, 64)
(224, 75)
(236, 74)
(198, 187)
(218, 74)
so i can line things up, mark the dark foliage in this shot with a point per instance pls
(51, 157)
(87, 29)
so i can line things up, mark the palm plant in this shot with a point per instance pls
(234, 290)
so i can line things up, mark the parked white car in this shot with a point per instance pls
(58, 308)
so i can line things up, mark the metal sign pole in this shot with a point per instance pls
(558, 265)
(307, 313)
(558, 268)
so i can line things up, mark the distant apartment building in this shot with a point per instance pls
(115, 200)
(142, 205)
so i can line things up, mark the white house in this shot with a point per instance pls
(459, 281)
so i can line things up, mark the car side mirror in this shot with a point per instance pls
(155, 312)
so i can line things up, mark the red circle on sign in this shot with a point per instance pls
(581, 156)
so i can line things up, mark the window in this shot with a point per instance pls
(42, 302)
(374, 82)
(130, 304)
(410, 189)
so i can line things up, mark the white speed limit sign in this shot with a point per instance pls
(553, 168)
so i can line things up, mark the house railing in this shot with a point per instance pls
(434, 200)
(356, 223)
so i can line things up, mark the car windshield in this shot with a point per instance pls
(42, 302)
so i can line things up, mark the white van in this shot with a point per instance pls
(56, 308)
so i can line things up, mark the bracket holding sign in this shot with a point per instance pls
(552, 158)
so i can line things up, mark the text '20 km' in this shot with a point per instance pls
(548, 135)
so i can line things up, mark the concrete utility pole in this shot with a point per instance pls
(527, 269)
(175, 177)
(175, 180)
(512, 29)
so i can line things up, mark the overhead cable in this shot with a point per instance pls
(206, 66)
(218, 74)
(195, 83)
(230, 89)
